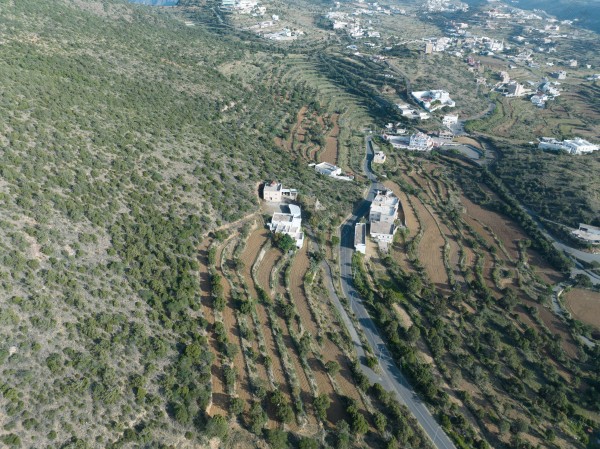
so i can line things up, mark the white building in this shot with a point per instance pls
(539, 100)
(289, 223)
(327, 169)
(420, 142)
(382, 217)
(550, 89)
(515, 89)
(379, 157)
(273, 192)
(360, 238)
(450, 120)
(588, 233)
(572, 146)
(432, 100)
(561, 75)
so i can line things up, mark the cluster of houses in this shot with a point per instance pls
(572, 146)
(383, 222)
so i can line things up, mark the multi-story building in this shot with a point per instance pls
(382, 217)
(420, 142)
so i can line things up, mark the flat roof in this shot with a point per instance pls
(382, 227)
(360, 234)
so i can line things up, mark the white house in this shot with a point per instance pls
(360, 238)
(420, 142)
(327, 169)
(450, 120)
(379, 157)
(289, 223)
(573, 146)
(432, 100)
(382, 217)
(539, 100)
(514, 89)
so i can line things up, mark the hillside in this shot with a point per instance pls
(122, 145)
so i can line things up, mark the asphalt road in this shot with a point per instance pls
(390, 377)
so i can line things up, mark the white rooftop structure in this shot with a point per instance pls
(289, 223)
(382, 217)
(360, 238)
(572, 146)
(588, 233)
(327, 169)
(420, 142)
(432, 100)
(379, 157)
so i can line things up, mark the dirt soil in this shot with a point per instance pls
(331, 142)
(584, 305)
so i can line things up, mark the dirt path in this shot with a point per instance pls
(331, 142)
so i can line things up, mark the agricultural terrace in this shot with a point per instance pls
(471, 299)
(277, 345)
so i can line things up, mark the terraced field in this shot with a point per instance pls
(270, 334)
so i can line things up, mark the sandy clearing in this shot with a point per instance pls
(584, 305)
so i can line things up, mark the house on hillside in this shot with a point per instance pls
(383, 214)
(573, 146)
(379, 157)
(273, 192)
(432, 100)
(288, 221)
(420, 142)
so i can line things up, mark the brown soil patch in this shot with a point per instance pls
(431, 247)
(543, 269)
(507, 231)
(584, 305)
(469, 141)
(331, 142)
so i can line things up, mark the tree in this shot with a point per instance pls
(277, 439)
(332, 368)
(321, 404)
(308, 443)
(284, 242)
(218, 427)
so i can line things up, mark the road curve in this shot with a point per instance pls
(390, 377)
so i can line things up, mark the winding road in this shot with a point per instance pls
(390, 377)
